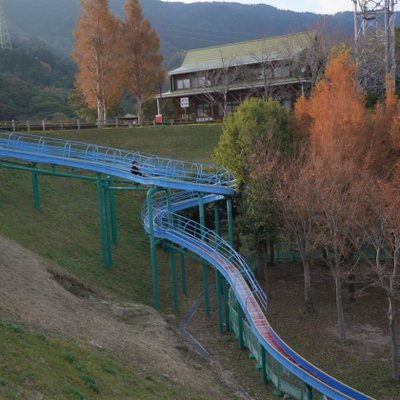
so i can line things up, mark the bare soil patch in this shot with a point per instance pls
(39, 293)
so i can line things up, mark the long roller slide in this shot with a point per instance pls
(181, 185)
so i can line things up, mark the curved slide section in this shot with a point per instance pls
(185, 182)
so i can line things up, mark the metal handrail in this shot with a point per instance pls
(172, 226)
(174, 223)
(148, 164)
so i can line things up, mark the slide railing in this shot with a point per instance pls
(184, 184)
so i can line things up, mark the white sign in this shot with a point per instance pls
(184, 102)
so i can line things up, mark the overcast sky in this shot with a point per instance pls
(316, 6)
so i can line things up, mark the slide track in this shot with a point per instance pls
(181, 185)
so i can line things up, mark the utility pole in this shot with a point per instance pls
(5, 40)
(374, 30)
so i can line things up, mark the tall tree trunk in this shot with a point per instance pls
(341, 328)
(391, 315)
(100, 113)
(139, 106)
(104, 114)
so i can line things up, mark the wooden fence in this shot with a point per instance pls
(28, 126)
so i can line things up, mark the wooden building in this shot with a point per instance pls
(213, 81)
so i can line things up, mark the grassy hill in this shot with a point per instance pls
(36, 365)
(66, 232)
(66, 229)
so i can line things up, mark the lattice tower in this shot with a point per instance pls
(5, 40)
(374, 28)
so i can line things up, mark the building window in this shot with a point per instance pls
(183, 83)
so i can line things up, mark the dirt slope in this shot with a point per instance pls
(37, 292)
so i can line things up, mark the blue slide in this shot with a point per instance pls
(187, 181)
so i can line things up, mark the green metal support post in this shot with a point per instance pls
(114, 230)
(35, 186)
(219, 304)
(240, 327)
(172, 260)
(205, 266)
(229, 209)
(264, 371)
(107, 211)
(183, 273)
(309, 393)
(153, 256)
(182, 269)
(105, 239)
(218, 277)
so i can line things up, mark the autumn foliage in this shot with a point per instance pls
(142, 57)
(114, 56)
(352, 173)
(96, 52)
(335, 117)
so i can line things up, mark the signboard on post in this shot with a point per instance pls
(184, 102)
(159, 119)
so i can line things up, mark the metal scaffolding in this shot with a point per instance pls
(374, 29)
(5, 39)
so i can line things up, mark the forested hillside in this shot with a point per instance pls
(34, 82)
(181, 26)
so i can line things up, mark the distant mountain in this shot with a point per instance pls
(181, 26)
(34, 83)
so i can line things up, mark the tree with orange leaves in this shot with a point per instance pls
(142, 57)
(97, 52)
(337, 125)
(383, 156)
(335, 116)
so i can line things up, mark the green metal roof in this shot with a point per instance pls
(250, 52)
